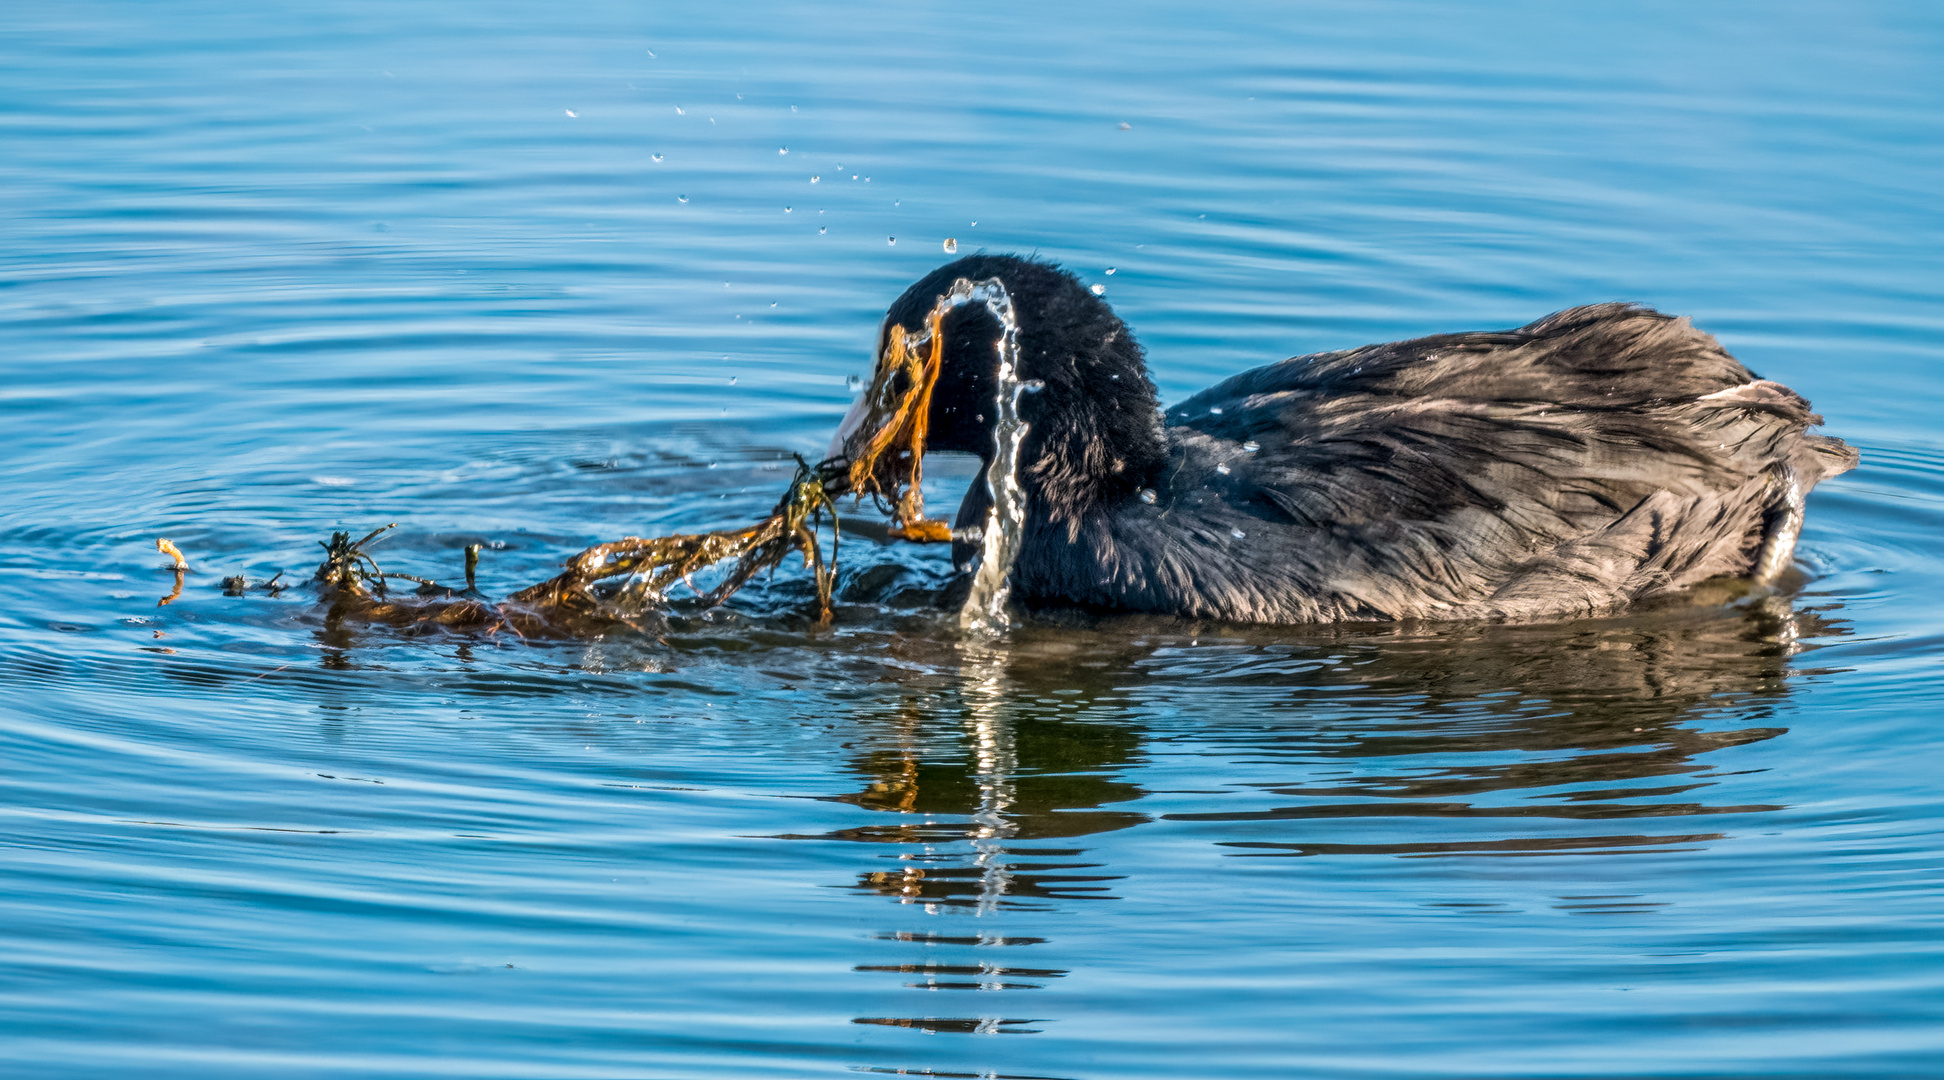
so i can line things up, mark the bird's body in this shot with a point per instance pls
(1598, 456)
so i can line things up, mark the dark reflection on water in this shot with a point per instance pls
(1565, 714)
(1523, 731)
(1595, 703)
(975, 777)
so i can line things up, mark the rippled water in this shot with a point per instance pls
(539, 276)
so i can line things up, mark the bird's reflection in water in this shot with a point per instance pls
(1392, 741)
(1472, 729)
(996, 778)
(1013, 769)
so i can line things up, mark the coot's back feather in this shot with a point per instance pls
(1598, 455)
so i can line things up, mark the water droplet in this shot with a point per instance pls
(1125, 126)
(822, 229)
(1115, 376)
(951, 246)
(1215, 411)
(1110, 271)
(1098, 289)
(975, 224)
(1147, 495)
(1251, 446)
(679, 111)
(681, 198)
(816, 179)
(572, 113)
(897, 202)
(1237, 533)
(852, 382)
(1223, 469)
(853, 176)
(787, 210)
(793, 108)
(782, 150)
(654, 157)
(892, 240)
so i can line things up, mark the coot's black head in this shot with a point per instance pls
(1094, 426)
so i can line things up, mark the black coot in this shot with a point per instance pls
(1595, 457)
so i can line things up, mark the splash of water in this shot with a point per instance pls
(985, 606)
(984, 610)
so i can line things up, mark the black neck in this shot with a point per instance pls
(1095, 426)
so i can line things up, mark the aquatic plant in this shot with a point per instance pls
(652, 566)
(887, 468)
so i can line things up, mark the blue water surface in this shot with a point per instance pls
(536, 276)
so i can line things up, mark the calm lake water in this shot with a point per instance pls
(538, 276)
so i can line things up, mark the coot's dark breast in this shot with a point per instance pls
(1599, 455)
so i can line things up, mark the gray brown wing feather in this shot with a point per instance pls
(1597, 455)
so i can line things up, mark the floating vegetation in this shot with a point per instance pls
(649, 568)
(617, 582)
(241, 586)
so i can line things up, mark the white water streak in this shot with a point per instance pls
(985, 607)
(984, 610)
